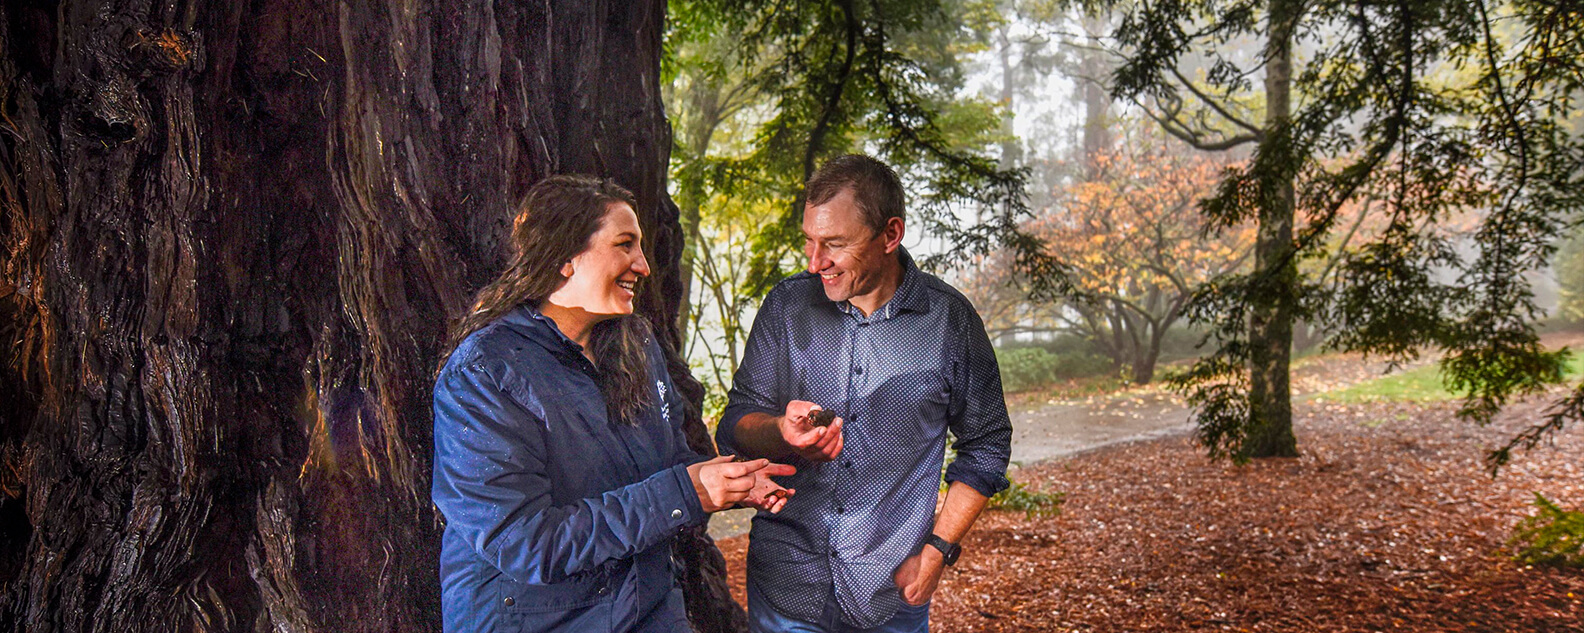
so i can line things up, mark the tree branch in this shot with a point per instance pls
(1217, 106)
(1177, 129)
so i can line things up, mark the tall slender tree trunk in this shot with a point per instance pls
(1011, 147)
(1271, 321)
(233, 235)
(706, 109)
(1097, 100)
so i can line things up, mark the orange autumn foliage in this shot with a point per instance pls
(1136, 245)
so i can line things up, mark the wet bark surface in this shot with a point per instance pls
(233, 235)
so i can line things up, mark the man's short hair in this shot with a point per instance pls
(875, 186)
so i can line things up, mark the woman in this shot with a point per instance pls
(560, 464)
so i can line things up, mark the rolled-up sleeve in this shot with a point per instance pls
(977, 415)
(757, 387)
(491, 483)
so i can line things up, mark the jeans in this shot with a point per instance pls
(763, 618)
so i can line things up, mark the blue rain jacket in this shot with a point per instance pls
(556, 518)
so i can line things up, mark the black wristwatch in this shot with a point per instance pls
(949, 551)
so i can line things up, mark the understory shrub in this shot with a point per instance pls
(1552, 536)
(1032, 503)
(1026, 368)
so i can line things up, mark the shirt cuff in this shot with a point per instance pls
(988, 484)
(726, 429)
(682, 508)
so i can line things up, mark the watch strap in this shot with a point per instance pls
(949, 551)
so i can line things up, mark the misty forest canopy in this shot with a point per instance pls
(820, 79)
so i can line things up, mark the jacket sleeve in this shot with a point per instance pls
(761, 378)
(977, 413)
(491, 483)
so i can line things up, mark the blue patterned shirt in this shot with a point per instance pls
(899, 378)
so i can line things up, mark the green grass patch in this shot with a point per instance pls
(1420, 384)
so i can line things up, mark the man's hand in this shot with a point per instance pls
(919, 574)
(813, 443)
(766, 493)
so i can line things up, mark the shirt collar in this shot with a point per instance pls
(908, 296)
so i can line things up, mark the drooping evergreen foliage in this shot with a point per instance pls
(1552, 536)
(877, 76)
(1438, 109)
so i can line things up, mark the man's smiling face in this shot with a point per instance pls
(847, 254)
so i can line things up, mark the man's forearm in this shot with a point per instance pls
(962, 507)
(759, 435)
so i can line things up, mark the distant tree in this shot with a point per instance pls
(992, 284)
(1359, 101)
(715, 103)
(1136, 246)
(1569, 266)
(722, 247)
(1022, 38)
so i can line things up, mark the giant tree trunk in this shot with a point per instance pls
(234, 233)
(1271, 319)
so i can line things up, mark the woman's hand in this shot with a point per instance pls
(720, 482)
(766, 493)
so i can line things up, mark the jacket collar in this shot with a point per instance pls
(541, 329)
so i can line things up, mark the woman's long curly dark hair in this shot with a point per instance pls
(554, 225)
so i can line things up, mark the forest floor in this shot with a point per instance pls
(1388, 521)
(1082, 415)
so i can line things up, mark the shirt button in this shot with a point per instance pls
(676, 514)
(840, 509)
(508, 602)
(858, 370)
(847, 464)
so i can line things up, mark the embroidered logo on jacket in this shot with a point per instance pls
(665, 411)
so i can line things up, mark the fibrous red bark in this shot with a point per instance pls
(234, 233)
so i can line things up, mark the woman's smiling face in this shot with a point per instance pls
(601, 279)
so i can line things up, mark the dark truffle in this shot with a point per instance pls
(822, 417)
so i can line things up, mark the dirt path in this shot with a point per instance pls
(1060, 428)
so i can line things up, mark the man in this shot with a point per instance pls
(900, 357)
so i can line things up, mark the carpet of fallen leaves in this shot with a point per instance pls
(1388, 522)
